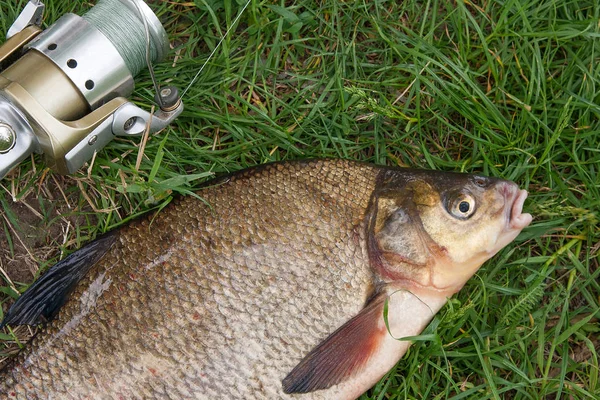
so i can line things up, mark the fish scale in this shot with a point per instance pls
(233, 250)
(259, 287)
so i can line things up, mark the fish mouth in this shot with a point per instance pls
(516, 219)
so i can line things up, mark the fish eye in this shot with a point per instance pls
(462, 206)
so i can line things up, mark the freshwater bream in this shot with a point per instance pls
(272, 287)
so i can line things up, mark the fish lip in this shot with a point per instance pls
(516, 218)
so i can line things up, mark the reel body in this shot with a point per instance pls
(66, 95)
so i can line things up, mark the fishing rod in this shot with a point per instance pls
(63, 90)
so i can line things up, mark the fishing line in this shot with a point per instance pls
(131, 35)
(216, 48)
(127, 31)
(148, 60)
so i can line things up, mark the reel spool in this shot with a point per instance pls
(65, 96)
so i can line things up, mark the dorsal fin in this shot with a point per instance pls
(343, 354)
(46, 296)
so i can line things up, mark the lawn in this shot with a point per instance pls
(504, 88)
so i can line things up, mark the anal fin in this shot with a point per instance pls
(42, 300)
(343, 354)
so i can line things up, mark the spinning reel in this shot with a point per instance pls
(63, 91)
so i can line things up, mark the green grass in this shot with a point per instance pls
(508, 88)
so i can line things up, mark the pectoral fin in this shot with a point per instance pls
(343, 354)
(45, 296)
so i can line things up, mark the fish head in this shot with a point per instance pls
(434, 229)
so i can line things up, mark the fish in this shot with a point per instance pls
(290, 280)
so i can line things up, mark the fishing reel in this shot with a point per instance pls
(63, 90)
